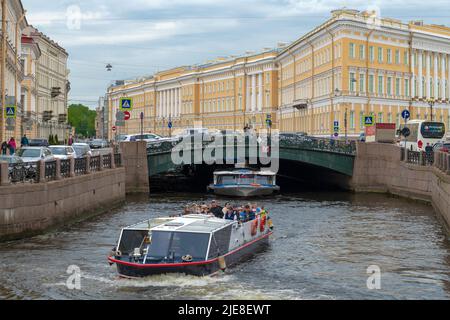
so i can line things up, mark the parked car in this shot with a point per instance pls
(63, 152)
(98, 144)
(38, 143)
(35, 154)
(11, 159)
(82, 150)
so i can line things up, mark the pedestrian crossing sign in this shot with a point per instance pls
(369, 121)
(126, 104)
(10, 112)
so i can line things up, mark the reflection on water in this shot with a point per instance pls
(323, 245)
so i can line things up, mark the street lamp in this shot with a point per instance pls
(431, 102)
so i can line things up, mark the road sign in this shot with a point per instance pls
(114, 128)
(170, 125)
(336, 134)
(269, 122)
(142, 116)
(120, 116)
(336, 126)
(369, 121)
(126, 104)
(127, 116)
(10, 112)
(120, 123)
(10, 121)
(406, 114)
(269, 116)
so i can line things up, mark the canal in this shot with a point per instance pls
(323, 245)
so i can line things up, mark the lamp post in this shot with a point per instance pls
(431, 102)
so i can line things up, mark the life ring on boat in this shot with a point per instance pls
(255, 227)
(187, 258)
(255, 185)
(262, 226)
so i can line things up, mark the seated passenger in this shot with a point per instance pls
(230, 215)
(216, 210)
(247, 214)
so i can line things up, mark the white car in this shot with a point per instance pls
(82, 150)
(35, 154)
(63, 152)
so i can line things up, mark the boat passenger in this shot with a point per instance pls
(204, 209)
(263, 213)
(246, 214)
(230, 215)
(226, 208)
(216, 210)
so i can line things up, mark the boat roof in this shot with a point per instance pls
(245, 171)
(194, 223)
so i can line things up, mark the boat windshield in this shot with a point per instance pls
(264, 180)
(247, 179)
(175, 245)
(226, 179)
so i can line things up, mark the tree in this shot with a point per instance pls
(82, 119)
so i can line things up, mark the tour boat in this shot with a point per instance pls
(198, 245)
(244, 183)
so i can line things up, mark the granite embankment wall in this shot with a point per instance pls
(28, 209)
(381, 168)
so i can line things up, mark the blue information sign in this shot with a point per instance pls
(406, 114)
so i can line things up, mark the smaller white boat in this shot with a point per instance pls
(244, 183)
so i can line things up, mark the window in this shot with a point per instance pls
(380, 55)
(380, 117)
(389, 56)
(389, 86)
(371, 54)
(352, 81)
(389, 119)
(352, 50)
(371, 83)
(407, 87)
(362, 51)
(352, 119)
(362, 83)
(380, 84)
(397, 56)
(397, 86)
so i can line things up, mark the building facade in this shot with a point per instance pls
(11, 71)
(52, 86)
(354, 64)
(30, 55)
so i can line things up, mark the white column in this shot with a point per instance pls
(247, 88)
(428, 74)
(413, 76)
(261, 91)
(172, 104)
(163, 104)
(420, 60)
(448, 76)
(180, 102)
(442, 96)
(158, 107)
(436, 78)
(254, 93)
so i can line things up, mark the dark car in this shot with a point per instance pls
(39, 143)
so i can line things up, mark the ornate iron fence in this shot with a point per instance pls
(95, 163)
(65, 168)
(107, 161)
(80, 166)
(420, 158)
(50, 170)
(24, 172)
(316, 144)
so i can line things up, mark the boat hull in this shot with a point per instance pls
(205, 268)
(244, 191)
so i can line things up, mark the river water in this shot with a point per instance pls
(322, 247)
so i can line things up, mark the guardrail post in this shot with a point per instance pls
(113, 161)
(41, 165)
(58, 169)
(101, 163)
(72, 167)
(447, 160)
(88, 164)
(4, 173)
(420, 159)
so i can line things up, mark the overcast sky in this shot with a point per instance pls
(140, 37)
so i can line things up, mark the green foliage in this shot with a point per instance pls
(56, 140)
(82, 119)
(50, 140)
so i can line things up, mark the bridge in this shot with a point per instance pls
(336, 156)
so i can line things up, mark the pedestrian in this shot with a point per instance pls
(12, 146)
(70, 141)
(216, 210)
(24, 142)
(4, 148)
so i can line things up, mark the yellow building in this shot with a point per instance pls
(352, 65)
